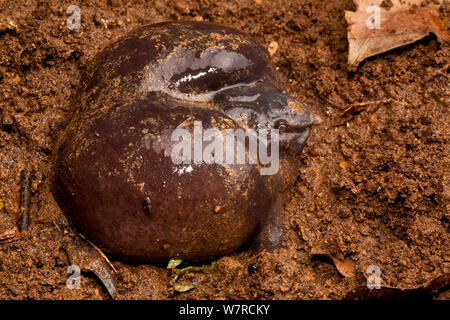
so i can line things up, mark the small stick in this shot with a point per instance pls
(250, 260)
(25, 197)
(100, 252)
(349, 109)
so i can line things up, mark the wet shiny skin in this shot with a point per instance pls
(107, 169)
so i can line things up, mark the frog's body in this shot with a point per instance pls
(114, 175)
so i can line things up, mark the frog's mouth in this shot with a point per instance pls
(293, 139)
(294, 132)
(264, 106)
(297, 128)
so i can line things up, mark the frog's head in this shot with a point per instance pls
(266, 107)
(289, 116)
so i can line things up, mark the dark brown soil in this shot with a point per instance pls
(372, 188)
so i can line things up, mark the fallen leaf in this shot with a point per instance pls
(7, 24)
(376, 27)
(183, 287)
(173, 263)
(9, 236)
(89, 258)
(430, 288)
(273, 47)
(345, 267)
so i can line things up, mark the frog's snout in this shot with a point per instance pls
(267, 107)
(297, 127)
(299, 118)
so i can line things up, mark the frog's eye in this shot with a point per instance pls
(281, 124)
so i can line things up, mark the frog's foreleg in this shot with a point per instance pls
(271, 231)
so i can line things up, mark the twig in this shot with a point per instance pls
(251, 259)
(356, 108)
(101, 253)
(25, 196)
(351, 108)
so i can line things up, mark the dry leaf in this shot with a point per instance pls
(8, 236)
(430, 288)
(7, 24)
(83, 254)
(379, 25)
(345, 267)
(273, 47)
(183, 287)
